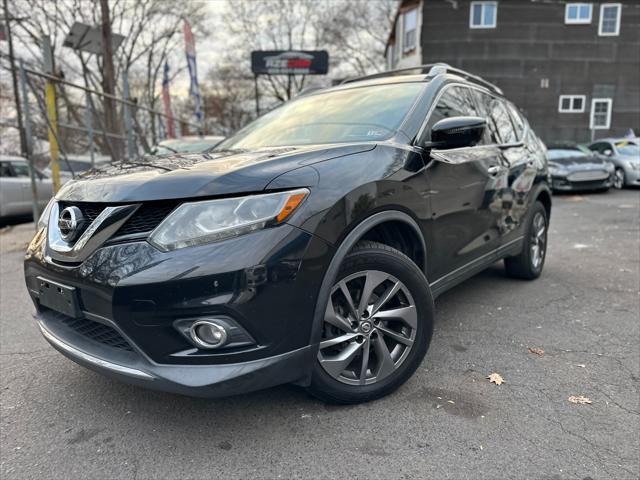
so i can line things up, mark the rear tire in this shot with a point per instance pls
(381, 312)
(529, 263)
(619, 179)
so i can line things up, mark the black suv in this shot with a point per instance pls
(307, 248)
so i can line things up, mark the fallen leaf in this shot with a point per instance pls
(582, 400)
(496, 378)
(536, 350)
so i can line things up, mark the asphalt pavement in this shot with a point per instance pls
(60, 421)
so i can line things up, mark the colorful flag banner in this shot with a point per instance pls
(166, 99)
(190, 50)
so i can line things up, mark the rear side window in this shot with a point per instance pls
(455, 101)
(5, 170)
(20, 169)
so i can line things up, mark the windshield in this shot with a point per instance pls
(629, 149)
(184, 146)
(559, 154)
(357, 114)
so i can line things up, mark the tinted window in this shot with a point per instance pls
(20, 169)
(454, 102)
(518, 121)
(600, 147)
(5, 170)
(484, 101)
(502, 121)
(355, 114)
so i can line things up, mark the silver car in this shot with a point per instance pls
(15, 187)
(624, 153)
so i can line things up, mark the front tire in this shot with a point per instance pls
(529, 263)
(377, 326)
(619, 178)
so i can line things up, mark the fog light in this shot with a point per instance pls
(208, 334)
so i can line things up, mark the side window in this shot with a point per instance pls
(455, 101)
(600, 147)
(5, 170)
(502, 121)
(519, 123)
(484, 101)
(21, 169)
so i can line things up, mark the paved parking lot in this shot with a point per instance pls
(59, 420)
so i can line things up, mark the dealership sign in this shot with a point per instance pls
(290, 62)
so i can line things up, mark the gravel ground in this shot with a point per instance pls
(59, 420)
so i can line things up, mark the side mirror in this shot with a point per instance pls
(458, 132)
(608, 152)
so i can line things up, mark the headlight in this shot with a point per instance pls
(43, 221)
(557, 171)
(214, 220)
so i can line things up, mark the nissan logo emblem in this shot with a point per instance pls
(69, 223)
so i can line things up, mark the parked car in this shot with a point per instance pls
(186, 144)
(307, 248)
(16, 197)
(75, 165)
(624, 153)
(576, 168)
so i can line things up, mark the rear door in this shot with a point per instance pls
(465, 185)
(13, 195)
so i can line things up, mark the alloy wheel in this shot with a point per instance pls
(369, 328)
(618, 179)
(538, 240)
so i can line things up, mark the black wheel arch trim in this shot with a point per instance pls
(354, 236)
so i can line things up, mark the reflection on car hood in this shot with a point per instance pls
(579, 162)
(198, 175)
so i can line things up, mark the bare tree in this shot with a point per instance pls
(152, 31)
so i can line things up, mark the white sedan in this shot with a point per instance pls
(16, 199)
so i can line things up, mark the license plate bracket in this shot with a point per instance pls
(58, 297)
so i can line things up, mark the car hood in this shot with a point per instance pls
(579, 162)
(198, 175)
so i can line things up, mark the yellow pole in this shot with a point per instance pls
(53, 134)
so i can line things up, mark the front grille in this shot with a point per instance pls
(97, 332)
(144, 220)
(588, 176)
(89, 211)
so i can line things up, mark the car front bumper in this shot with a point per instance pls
(564, 184)
(631, 177)
(193, 380)
(131, 295)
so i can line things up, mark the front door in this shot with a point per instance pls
(466, 186)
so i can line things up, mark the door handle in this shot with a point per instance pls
(495, 170)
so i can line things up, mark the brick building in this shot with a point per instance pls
(572, 67)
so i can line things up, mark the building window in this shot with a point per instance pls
(571, 103)
(483, 15)
(410, 26)
(609, 19)
(600, 114)
(578, 13)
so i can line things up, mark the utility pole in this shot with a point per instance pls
(49, 65)
(16, 94)
(108, 78)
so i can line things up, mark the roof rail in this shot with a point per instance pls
(432, 70)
